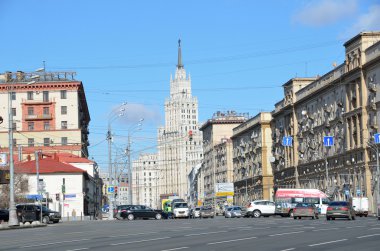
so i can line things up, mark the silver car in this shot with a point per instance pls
(234, 212)
(195, 212)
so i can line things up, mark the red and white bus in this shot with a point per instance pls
(286, 199)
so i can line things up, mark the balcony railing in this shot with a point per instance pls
(39, 117)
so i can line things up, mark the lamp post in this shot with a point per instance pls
(130, 132)
(377, 176)
(112, 117)
(13, 220)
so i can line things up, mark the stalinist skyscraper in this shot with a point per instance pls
(179, 141)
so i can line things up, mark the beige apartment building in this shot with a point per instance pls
(49, 112)
(217, 163)
(342, 104)
(252, 143)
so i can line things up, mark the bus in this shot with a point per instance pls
(286, 199)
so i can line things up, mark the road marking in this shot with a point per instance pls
(206, 233)
(130, 242)
(365, 236)
(125, 235)
(328, 242)
(174, 249)
(287, 233)
(375, 228)
(324, 229)
(53, 243)
(76, 232)
(292, 226)
(287, 249)
(242, 239)
(308, 227)
(77, 249)
(355, 226)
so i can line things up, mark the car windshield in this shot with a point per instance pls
(304, 205)
(338, 203)
(237, 208)
(230, 209)
(197, 208)
(177, 205)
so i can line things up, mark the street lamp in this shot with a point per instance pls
(13, 220)
(115, 114)
(130, 132)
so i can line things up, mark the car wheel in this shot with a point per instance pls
(353, 217)
(45, 220)
(295, 218)
(158, 217)
(333, 218)
(312, 217)
(317, 217)
(256, 214)
(291, 213)
(327, 218)
(131, 217)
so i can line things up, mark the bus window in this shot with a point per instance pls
(325, 201)
(297, 200)
(312, 200)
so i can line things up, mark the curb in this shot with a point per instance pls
(4, 227)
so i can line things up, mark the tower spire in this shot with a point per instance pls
(179, 65)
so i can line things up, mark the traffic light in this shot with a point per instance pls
(116, 191)
(190, 135)
(57, 196)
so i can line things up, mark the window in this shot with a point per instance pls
(45, 96)
(46, 125)
(30, 110)
(30, 96)
(14, 111)
(64, 124)
(14, 126)
(63, 109)
(64, 141)
(46, 141)
(30, 126)
(14, 142)
(13, 95)
(31, 142)
(46, 111)
(63, 94)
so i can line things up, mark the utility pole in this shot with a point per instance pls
(129, 170)
(110, 199)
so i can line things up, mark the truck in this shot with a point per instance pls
(360, 205)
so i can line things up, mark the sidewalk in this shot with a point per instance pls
(4, 226)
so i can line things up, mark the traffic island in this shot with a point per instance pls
(34, 224)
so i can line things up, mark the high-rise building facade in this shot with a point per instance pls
(49, 112)
(179, 140)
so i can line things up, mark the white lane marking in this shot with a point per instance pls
(288, 249)
(130, 242)
(365, 236)
(77, 249)
(286, 233)
(242, 239)
(53, 243)
(355, 226)
(76, 232)
(292, 226)
(175, 249)
(206, 233)
(124, 235)
(328, 242)
(308, 227)
(324, 229)
(375, 228)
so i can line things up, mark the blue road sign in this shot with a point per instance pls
(287, 141)
(111, 189)
(328, 140)
(377, 138)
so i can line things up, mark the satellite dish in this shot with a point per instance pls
(272, 159)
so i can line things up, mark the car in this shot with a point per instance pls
(305, 210)
(4, 215)
(32, 212)
(207, 212)
(140, 211)
(195, 212)
(180, 210)
(234, 212)
(340, 209)
(259, 208)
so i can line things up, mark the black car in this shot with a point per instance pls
(117, 211)
(140, 211)
(32, 212)
(4, 215)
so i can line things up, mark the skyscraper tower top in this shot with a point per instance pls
(179, 65)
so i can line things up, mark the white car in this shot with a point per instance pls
(259, 208)
(181, 210)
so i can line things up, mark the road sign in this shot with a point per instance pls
(287, 141)
(110, 189)
(377, 138)
(328, 140)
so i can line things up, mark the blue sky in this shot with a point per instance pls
(239, 53)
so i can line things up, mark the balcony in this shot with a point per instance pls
(39, 101)
(38, 117)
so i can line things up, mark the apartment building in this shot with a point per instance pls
(49, 110)
(342, 104)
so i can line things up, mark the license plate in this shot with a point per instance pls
(181, 212)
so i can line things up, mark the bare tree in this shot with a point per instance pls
(21, 187)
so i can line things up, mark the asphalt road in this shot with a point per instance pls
(273, 233)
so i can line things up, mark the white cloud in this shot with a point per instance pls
(325, 12)
(134, 112)
(369, 21)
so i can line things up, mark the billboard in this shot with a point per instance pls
(224, 189)
(3, 159)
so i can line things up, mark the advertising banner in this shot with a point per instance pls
(3, 159)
